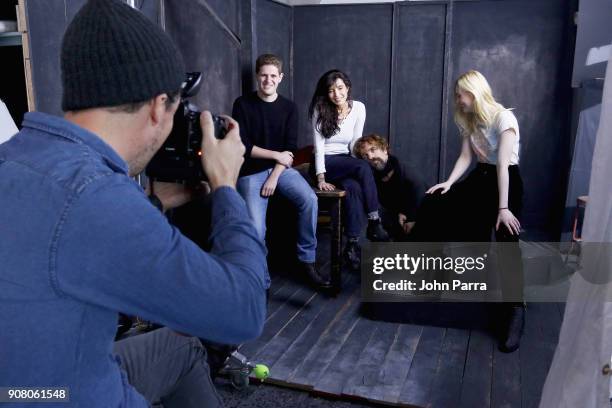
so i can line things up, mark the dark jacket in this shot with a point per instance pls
(397, 192)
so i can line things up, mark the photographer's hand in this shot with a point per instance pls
(221, 159)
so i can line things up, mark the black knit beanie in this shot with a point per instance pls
(113, 55)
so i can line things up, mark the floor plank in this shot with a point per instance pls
(341, 367)
(393, 372)
(292, 358)
(418, 385)
(327, 346)
(278, 344)
(364, 376)
(282, 294)
(279, 318)
(476, 386)
(276, 282)
(506, 381)
(322, 345)
(295, 327)
(446, 389)
(536, 352)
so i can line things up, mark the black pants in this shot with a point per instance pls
(390, 221)
(356, 178)
(168, 368)
(468, 213)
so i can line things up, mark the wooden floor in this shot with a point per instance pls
(323, 345)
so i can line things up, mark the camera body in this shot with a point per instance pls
(179, 159)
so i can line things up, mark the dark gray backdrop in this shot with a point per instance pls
(402, 58)
(523, 49)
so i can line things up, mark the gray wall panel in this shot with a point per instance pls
(594, 35)
(47, 21)
(150, 8)
(274, 29)
(228, 11)
(519, 46)
(72, 7)
(417, 88)
(355, 39)
(206, 47)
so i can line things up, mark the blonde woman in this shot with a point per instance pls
(489, 199)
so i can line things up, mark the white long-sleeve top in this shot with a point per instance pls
(342, 142)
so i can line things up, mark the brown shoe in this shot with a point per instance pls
(315, 276)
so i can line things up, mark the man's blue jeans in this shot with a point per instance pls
(294, 187)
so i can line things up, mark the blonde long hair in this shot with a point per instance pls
(485, 107)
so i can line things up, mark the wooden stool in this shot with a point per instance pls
(335, 198)
(301, 163)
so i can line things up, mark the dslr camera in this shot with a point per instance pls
(179, 159)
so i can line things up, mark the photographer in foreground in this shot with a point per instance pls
(81, 241)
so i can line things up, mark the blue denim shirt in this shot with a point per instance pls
(79, 242)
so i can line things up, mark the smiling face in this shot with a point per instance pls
(338, 93)
(376, 156)
(464, 100)
(268, 79)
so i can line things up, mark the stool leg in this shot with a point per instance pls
(574, 230)
(336, 247)
(571, 249)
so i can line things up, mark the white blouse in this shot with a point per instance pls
(351, 129)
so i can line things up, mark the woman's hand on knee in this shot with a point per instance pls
(444, 187)
(505, 217)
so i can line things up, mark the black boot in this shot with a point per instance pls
(316, 277)
(515, 319)
(352, 253)
(376, 232)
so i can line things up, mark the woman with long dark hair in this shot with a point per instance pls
(489, 199)
(337, 122)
